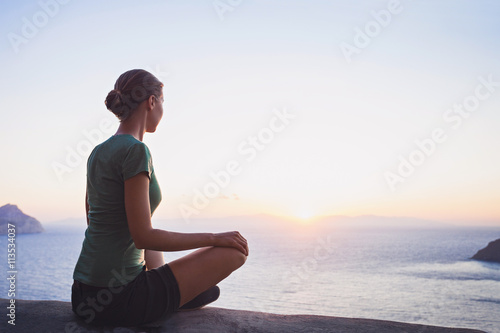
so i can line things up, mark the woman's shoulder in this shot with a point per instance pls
(123, 141)
(118, 146)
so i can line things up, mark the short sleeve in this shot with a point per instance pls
(138, 159)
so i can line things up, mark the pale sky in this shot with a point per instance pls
(315, 107)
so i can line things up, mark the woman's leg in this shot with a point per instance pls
(154, 259)
(204, 268)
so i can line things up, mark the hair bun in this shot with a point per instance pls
(114, 97)
(114, 102)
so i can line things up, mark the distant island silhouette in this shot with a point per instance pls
(24, 224)
(489, 253)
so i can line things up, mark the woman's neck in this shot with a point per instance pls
(135, 126)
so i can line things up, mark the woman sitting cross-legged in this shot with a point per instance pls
(120, 277)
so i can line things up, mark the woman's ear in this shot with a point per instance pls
(151, 102)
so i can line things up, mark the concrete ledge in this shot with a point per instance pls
(56, 316)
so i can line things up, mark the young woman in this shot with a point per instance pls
(120, 277)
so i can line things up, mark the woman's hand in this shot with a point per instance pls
(231, 239)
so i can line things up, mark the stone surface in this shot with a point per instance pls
(56, 316)
(24, 224)
(490, 253)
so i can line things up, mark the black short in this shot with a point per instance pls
(151, 295)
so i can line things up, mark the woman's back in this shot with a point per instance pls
(109, 257)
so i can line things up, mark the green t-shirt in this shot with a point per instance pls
(109, 257)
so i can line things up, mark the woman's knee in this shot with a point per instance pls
(237, 258)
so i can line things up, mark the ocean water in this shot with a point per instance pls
(409, 275)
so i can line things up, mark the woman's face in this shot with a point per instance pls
(155, 115)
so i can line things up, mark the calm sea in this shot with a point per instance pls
(409, 275)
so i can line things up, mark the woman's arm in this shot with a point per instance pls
(86, 206)
(146, 237)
